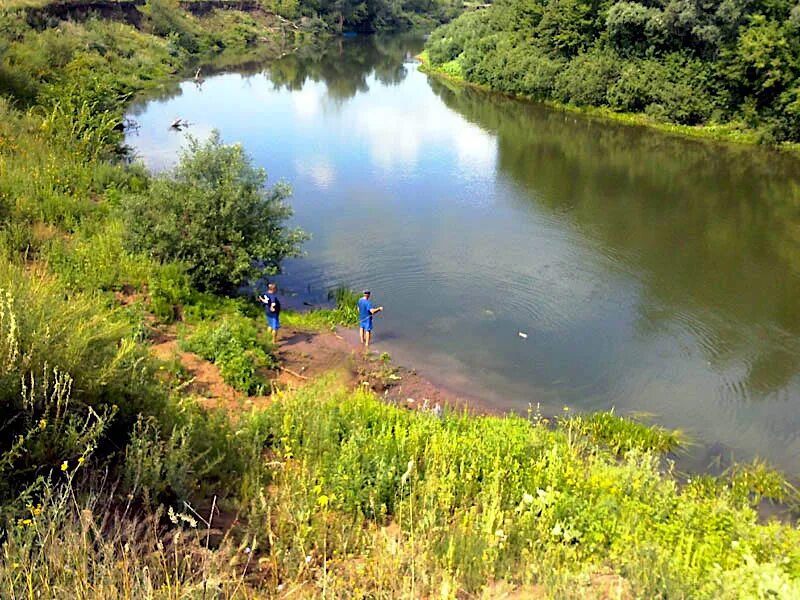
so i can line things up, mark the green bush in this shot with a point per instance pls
(700, 65)
(70, 361)
(167, 467)
(621, 435)
(236, 346)
(344, 313)
(586, 79)
(48, 434)
(213, 215)
(95, 258)
(169, 288)
(167, 20)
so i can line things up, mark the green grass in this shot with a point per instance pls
(486, 498)
(343, 496)
(237, 346)
(622, 434)
(344, 313)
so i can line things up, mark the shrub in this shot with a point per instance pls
(47, 433)
(587, 78)
(169, 467)
(344, 312)
(236, 347)
(167, 20)
(213, 215)
(169, 289)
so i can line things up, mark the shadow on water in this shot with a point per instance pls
(711, 231)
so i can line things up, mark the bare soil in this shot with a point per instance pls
(303, 356)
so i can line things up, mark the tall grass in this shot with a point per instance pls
(488, 498)
(344, 312)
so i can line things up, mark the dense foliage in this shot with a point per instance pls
(213, 214)
(725, 62)
(368, 16)
(78, 383)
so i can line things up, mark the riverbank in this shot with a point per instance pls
(713, 133)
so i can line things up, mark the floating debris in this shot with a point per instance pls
(523, 335)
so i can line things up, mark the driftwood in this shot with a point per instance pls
(290, 372)
(285, 21)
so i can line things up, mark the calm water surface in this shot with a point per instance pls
(651, 274)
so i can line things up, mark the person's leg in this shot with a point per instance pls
(361, 335)
(367, 339)
(274, 325)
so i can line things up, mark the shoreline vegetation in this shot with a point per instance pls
(721, 71)
(117, 480)
(714, 133)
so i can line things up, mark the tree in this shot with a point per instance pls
(214, 214)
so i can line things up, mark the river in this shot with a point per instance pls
(653, 274)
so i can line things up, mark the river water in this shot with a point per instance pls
(650, 273)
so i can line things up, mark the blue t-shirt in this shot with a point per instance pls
(268, 306)
(364, 316)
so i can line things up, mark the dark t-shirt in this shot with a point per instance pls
(268, 306)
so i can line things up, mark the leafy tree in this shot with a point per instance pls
(684, 61)
(213, 214)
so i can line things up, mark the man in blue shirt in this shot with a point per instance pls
(365, 312)
(272, 310)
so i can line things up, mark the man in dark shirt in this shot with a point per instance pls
(365, 312)
(272, 310)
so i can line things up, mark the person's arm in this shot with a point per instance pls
(372, 311)
(262, 299)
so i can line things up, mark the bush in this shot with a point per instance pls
(344, 313)
(97, 260)
(171, 467)
(213, 215)
(686, 63)
(586, 79)
(168, 21)
(169, 289)
(235, 345)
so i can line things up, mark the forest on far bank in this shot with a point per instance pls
(335, 16)
(729, 64)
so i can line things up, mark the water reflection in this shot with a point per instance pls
(711, 231)
(345, 66)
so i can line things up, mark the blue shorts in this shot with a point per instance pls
(274, 322)
(366, 324)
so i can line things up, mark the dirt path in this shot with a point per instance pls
(303, 356)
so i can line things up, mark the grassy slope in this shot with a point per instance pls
(336, 492)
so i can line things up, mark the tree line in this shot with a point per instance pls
(732, 64)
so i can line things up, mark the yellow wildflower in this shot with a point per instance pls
(64, 466)
(42, 424)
